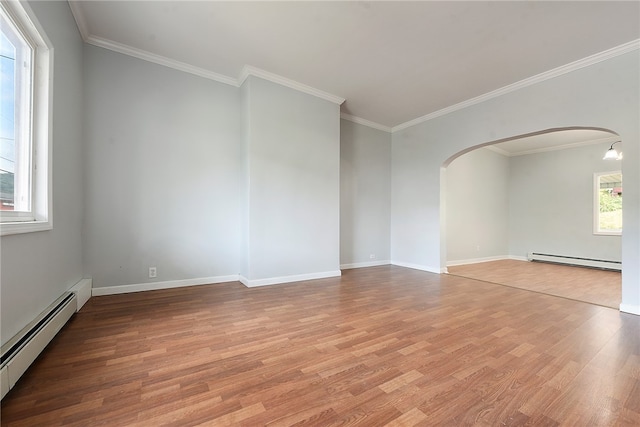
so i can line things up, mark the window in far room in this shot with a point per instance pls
(24, 123)
(608, 203)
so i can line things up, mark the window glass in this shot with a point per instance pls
(15, 120)
(609, 203)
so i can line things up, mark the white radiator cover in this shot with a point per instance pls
(82, 289)
(20, 352)
(579, 261)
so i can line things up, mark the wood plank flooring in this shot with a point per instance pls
(595, 286)
(378, 346)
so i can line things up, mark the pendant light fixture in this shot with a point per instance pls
(612, 153)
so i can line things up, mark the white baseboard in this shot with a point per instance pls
(419, 267)
(631, 309)
(139, 287)
(288, 279)
(82, 289)
(364, 264)
(485, 259)
(476, 260)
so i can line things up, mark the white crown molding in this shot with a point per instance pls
(248, 70)
(365, 122)
(152, 286)
(78, 15)
(161, 60)
(573, 66)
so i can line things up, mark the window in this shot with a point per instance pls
(25, 64)
(608, 203)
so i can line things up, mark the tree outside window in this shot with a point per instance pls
(608, 209)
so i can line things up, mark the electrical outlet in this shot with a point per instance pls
(372, 256)
(153, 272)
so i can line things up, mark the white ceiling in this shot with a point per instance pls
(393, 62)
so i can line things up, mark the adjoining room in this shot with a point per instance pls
(551, 197)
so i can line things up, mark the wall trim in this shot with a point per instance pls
(140, 287)
(631, 309)
(248, 70)
(8, 228)
(486, 259)
(365, 122)
(364, 264)
(160, 60)
(419, 267)
(81, 23)
(288, 279)
(607, 140)
(547, 75)
(497, 150)
(476, 260)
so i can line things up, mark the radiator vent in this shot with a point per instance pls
(576, 261)
(19, 352)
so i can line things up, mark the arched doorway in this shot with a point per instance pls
(532, 193)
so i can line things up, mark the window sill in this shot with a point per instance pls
(7, 228)
(607, 233)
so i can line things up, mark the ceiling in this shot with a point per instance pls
(393, 62)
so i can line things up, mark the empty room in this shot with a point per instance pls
(243, 213)
(549, 197)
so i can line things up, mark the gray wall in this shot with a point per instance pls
(38, 267)
(477, 206)
(365, 194)
(551, 204)
(293, 161)
(163, 172)
(204, 180)
(604, 95)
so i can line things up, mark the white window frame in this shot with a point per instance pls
(596, 205)
(39, 217)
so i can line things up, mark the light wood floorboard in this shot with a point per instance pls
(378, 346)
(602, 287)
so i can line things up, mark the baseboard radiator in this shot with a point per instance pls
(22, 350)
(576, 261)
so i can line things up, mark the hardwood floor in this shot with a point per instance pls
(378, 346)
(600, 287)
